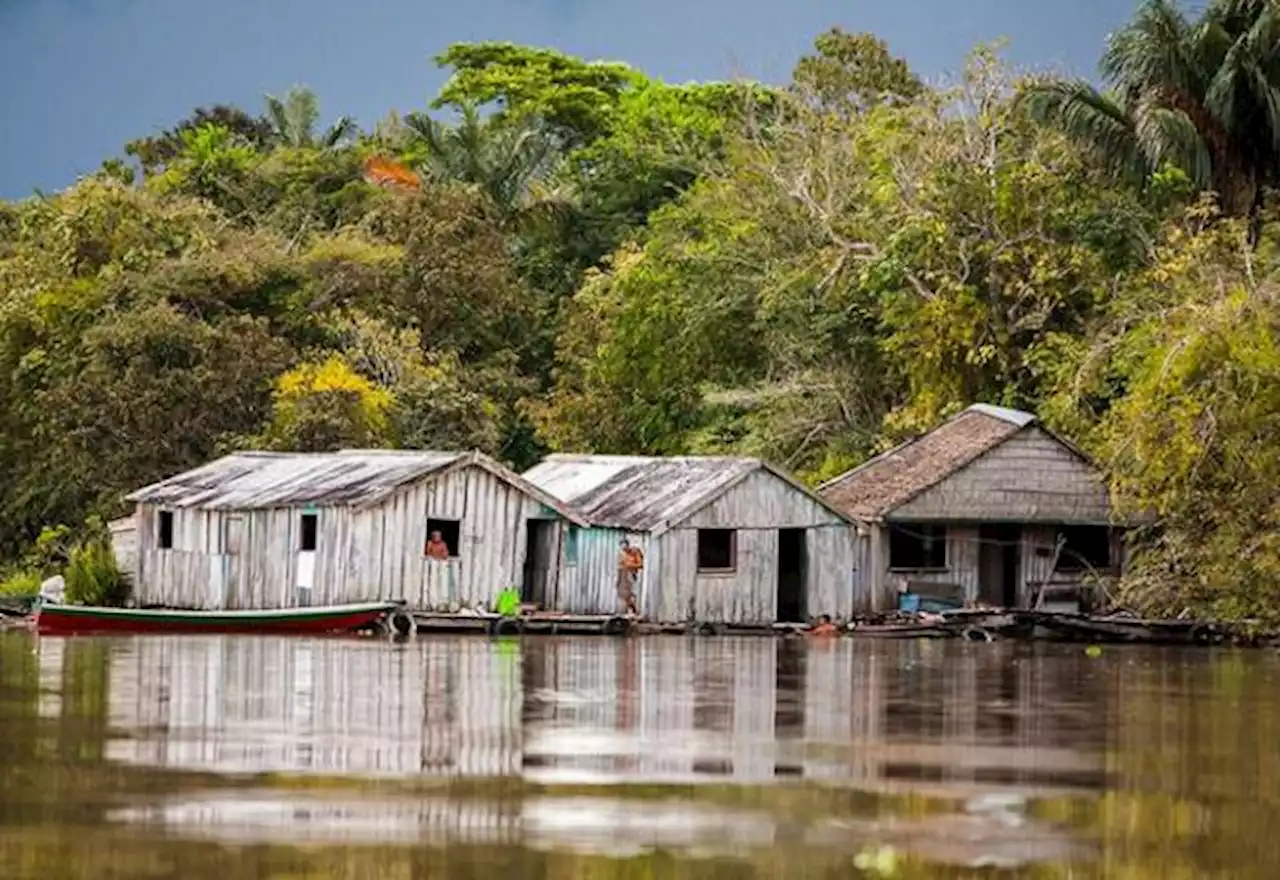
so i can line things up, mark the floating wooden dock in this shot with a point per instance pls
(536, 623)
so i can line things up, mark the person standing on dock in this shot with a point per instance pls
(630, 564)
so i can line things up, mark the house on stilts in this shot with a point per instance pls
(280, 530)
(725, 540)
(989, 508)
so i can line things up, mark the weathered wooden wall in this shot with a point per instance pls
(879, 583)
(250, 559)
(124, 544)
(387, 561)
(757, 508)
(1030, 477)
(589, 571)
(672, 589)
(1036, 544)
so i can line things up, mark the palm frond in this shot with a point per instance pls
(1166, 135)
(344, 129)
(277, 116)
(1091, 119)
(1155, 49)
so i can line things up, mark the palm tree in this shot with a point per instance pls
(1202, 95)
(293, 121)
(513, 163)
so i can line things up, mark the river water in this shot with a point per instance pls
(242, 757)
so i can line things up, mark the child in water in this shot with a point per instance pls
(824, 627)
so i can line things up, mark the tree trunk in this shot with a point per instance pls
(1237, 186)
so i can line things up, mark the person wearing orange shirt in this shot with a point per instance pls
(436, 547)
(630, 564)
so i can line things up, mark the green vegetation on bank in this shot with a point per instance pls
(591, 259)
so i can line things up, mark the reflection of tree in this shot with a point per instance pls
(82, 727)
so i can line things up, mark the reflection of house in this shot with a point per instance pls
(989, 507)
(269, 530)
(249, 705)
(725, 539)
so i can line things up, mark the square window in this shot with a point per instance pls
(310, 530)
(446, 531)
(717, 549)
(164, 529)
(1085, 548)
(918, 547)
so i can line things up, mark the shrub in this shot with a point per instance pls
(20, 584)
(93, 578)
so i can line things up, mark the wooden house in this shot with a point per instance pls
(278, 530)
(726, 540)
(990, 508)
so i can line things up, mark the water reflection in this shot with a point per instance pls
(781, 757)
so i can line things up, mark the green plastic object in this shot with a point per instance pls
(509, 602)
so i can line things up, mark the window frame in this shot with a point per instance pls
(1069, 561)
(916, 532)
(164, 530)
(450, 525)
(314, 532)
(733, 552)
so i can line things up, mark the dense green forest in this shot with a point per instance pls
(563, 254)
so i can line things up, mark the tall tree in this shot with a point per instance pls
(155, 153)
(1200, 94)
(511, 161)
(294, 118)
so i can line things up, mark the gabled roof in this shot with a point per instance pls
(351, 477)
(893, 478)
(644, 494)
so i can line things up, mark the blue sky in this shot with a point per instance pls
(82, 77)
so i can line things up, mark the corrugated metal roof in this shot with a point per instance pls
(638, 493)
(250, 480)
(893, 478)
(1012, 416)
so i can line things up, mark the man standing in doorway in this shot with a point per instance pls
(630, 564)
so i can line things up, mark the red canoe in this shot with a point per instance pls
(69, 619)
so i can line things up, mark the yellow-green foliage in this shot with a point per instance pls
(21, 584)
(92, 576)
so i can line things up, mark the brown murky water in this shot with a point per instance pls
(666, 757)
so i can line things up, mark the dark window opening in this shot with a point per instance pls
(310, 528)
(1085, 548)
(918, 547)
(449, 531)
(571, 546)
(164, 525)
(717, 549)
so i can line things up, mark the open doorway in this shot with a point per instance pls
(998, 559)
(791, 576)
(540, 550)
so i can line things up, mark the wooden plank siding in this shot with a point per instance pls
(588, 573)
(1030, 477)
(361, 554)
(671, 587)
(661, 504)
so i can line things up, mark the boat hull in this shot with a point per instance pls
(74, 619)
